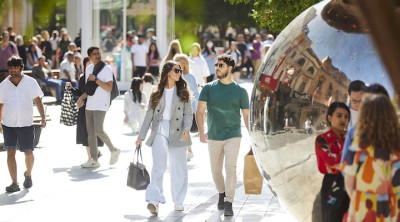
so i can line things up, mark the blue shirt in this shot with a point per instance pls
(191, 80)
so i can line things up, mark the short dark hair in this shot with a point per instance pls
(148, 77)
(228, 59)
(377, 88)
(91, 49)
(357, 86)
(15, 61)
(333, 107)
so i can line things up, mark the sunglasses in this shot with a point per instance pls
(220, 65)
(178, 71)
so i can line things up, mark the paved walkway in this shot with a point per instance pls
(63, 191)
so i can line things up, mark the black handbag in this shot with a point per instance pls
(138, 177)
(69, 111)
(338, 201)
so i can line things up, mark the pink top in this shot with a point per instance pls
(5, 54)
(153, 62)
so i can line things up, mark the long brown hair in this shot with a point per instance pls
(181, 86)
(378, 125)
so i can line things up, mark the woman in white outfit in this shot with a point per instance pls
(170, 115)
(135, 105)
(199, 65)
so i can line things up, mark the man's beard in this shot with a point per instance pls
(15, 74)
(222, 75)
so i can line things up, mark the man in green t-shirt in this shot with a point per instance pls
(223, 99)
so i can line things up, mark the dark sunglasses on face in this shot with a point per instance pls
(178, 71)
(220, 65)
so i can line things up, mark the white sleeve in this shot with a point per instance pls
(126, 102)
(2, 94)
(206, 70)
(36, 90)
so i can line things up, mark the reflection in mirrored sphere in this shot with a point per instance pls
(309, 66)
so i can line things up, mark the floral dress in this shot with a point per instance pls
(376, 196)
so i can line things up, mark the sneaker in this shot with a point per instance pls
(179, 208)
(153, 208)
(114, 156)
(221, 204)
(12, 188)
(228, 209)
(28, 181)
(91, 163)
(189, 156)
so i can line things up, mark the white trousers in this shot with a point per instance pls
(161, 151)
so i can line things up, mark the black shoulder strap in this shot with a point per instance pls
(98, 67)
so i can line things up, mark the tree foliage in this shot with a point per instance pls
(192, 16)
(276, 14)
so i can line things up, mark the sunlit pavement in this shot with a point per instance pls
(63, 191)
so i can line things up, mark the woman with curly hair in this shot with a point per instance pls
(372, 164)
(170, 115)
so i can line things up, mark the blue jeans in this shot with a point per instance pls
(161, 151)
(56, 83)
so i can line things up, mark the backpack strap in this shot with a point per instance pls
(98, 67)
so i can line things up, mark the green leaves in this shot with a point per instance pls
(276, 14)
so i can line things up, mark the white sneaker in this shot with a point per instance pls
(179, 208)
(91, 163)
(189, 156)
(114, 156)
(153, 207)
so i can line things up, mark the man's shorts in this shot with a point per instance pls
(20, 138)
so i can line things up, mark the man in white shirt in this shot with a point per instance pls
(96, 107)
(16, 114)
(67, 70)
(139, 52)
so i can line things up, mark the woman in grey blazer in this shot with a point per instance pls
(169, 116)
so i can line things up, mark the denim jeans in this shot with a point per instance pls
(55, 83)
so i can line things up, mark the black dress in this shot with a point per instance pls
(81, 130)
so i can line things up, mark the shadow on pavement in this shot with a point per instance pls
(172, 216)
(79, 174)
(12, 198)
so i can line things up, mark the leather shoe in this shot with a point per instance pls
(228, 209)
(221, 204)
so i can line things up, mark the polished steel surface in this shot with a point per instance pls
(309, 66)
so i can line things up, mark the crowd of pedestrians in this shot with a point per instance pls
(163, 98)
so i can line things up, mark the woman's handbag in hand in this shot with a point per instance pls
(69, 111)
(138, 177)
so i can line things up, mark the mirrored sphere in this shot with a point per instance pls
(309, 66)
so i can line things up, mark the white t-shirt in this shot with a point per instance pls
(147, 89)
(140, 52)
(70, 67)
(353, 118)
(168, 102)
(100, 101)
(134, 110)
(18, 101)
(199, 69)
